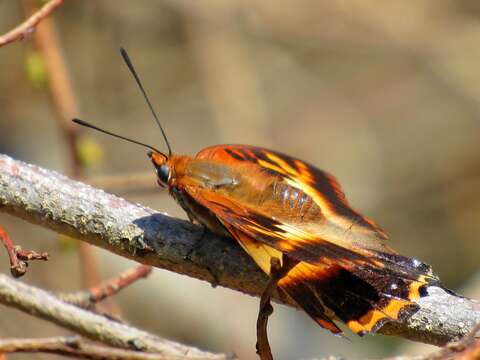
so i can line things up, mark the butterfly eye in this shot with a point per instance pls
(163, 174)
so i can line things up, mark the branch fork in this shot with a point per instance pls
(18, 257)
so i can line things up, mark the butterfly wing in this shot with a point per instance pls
(277, 205)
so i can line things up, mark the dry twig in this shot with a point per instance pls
(69, 207)
(86, 299)
(28, 26)
(18, 257)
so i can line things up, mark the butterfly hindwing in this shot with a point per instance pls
(296, 288)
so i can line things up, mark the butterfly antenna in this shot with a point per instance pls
(129, 63)
(88, 125)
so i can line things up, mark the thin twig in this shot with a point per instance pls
(18, 257)
(28, 26)
(75, 347)
(40, 303)
(86, 299)
(146, 236)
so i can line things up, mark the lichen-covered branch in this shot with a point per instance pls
(40, 303)
(52, 200)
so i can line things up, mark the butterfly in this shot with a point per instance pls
(279, 207)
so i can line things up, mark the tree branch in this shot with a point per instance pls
(75, 347)
(28, 26)
(52, 200)
(42, 304)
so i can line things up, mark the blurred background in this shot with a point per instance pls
(384, 95)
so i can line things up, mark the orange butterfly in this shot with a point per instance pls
(280, 207)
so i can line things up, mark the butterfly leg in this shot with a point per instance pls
(196, 246)
(197, 243)
(277, 271)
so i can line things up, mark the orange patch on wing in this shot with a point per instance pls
(296, 285)
(414, 291)
(373, 319)
(327, 325)
(304, 272)
(262, 254)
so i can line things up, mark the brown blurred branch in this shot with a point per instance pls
(52, 200)
(28, 26)
(218, 46)
(85, 299)
(64, 102)
(65, 107)
(466, 348)
(42, 304)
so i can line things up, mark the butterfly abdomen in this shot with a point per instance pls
(296, 202)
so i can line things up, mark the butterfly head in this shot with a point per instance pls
(162, 167)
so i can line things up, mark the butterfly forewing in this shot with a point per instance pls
(297, 194)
